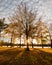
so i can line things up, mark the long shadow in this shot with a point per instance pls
(8, 56)
(23, 57)
(44, 58)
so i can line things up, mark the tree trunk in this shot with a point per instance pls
(0, 35)
(50, 39)
(20, 41)
(11, 40)
(27, 32)
(27, 43)
(32, 43)
(42, 43)
(41, 40)
(12, 37)
(0, 38)
(51, 43)
(24, 41)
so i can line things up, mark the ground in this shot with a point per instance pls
(19, 56)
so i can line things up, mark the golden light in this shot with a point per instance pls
(28, 41)
(34, 41)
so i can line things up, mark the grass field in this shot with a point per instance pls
(19, 56)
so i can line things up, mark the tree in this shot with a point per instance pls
(12, 31)
(50, 28)
(2, 25)
(25, 18)
(18, 27)
(42, 32)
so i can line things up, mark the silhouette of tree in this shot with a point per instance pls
(25, 19)
(2, 25)
(42, 32)
(12, 30)
(50, 28)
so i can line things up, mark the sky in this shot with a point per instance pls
(44, 7)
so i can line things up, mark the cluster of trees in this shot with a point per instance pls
(22, 23)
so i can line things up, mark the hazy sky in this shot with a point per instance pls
(44, 7)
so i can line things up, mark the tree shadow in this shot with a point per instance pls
(23, 57)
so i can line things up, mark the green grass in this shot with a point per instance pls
(19, 56)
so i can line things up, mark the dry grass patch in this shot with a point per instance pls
(49, 50)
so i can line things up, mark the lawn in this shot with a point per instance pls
(19, 56)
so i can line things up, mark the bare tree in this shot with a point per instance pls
(12, 30)
(42, 32)
(25, 18)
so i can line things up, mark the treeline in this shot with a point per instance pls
(22, 23)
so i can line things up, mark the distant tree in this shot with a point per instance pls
(2, 25)
(50, 28)
(12, 30)
(42, 32)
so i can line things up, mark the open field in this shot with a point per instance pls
(19, 56)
